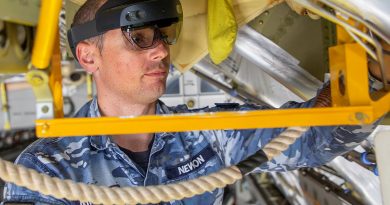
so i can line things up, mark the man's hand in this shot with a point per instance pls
(324, 97)
(374, 67)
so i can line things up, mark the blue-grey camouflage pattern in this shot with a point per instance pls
(177, 156)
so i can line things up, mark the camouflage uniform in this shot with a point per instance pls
(177, 156)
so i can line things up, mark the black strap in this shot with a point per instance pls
(252, 162)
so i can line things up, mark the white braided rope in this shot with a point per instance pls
(70, 190)
(283, 141)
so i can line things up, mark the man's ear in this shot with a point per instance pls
(86, 54)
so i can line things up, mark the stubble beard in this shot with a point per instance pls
(151, 93)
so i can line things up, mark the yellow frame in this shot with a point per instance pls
(46, 33)
(353, 107)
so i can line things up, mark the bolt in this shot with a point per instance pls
(36, 80)
(266, 13)
(45, 109)
(191, 103)
(360, 116)
(261, 22)
(45, 128)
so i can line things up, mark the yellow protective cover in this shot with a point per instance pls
(221, 29)
(192, 44)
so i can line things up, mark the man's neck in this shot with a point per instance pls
(132, 142)
(120, 107)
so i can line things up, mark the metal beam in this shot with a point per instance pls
(276, 62)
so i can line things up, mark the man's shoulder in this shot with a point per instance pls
(58, 143)
(33, 157)
(50, 147)
(53, 146)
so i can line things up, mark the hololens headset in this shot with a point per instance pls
(163, 17)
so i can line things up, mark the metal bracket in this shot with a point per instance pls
(349, 75)
(39, 81)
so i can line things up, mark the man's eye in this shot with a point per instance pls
(138, 39)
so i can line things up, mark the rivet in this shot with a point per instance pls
(45, 109)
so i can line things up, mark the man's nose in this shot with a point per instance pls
(160, 51)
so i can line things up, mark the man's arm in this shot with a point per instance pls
(317, 146)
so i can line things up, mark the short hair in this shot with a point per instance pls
(87, 13)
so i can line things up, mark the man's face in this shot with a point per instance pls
(135, 75)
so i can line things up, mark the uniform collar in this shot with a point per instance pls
(104, 141)
(162, 109)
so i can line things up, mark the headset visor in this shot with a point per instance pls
(149, 37)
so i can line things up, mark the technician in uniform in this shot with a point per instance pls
(125, 45)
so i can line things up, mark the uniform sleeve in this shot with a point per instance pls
(16, 194)
(316, 147)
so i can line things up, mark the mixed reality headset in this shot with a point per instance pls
(143, 22)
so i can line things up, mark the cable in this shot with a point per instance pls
(354, 32)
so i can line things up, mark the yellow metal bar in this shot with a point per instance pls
(381, 103)
(89, 87)
(46, 33)
(205, 121)
(5, 106)
(55, 80)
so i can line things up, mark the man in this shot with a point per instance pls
(129, 63)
